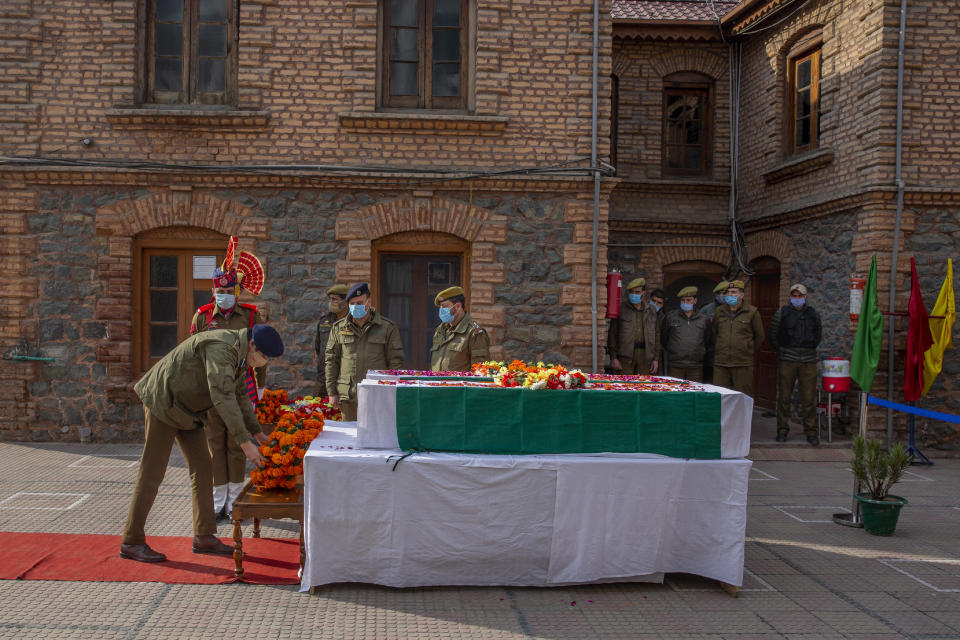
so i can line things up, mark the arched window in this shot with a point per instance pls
(687, 124)
(803, 94)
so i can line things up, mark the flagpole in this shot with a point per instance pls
(852, 519)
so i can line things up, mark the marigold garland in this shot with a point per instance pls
(297, 424)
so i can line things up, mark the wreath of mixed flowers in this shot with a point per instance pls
(297, 424)
(533, 376)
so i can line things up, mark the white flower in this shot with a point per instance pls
(539, 384)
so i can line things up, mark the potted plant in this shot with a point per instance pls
(876, 471)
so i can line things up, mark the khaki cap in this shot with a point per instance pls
(337, 290)
(798, 287)
(447, 293)
(636, 282)
(687, 291)
(721, 286)
(735, 284)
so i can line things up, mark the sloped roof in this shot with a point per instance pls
(670, 10)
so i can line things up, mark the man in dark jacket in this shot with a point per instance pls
(795, 333)
(687, 334)
(633, 339)
(206, 372)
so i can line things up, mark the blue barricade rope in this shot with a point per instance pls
(917, 411)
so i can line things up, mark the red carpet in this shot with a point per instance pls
(96, 558)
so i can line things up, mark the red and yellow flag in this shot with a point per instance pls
(941, 329)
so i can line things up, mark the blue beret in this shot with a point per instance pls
(267, 340)
(358, 289)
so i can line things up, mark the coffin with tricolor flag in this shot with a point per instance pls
(705, 422)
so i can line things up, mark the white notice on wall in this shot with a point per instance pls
(203, 267)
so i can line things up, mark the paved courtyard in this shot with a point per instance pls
(805, 577)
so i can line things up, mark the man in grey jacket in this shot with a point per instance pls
(686, 336)
(795, 333)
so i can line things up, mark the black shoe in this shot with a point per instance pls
(140, 553)
(781, 437)
(210, 544)
(814, 440)
(222, 515)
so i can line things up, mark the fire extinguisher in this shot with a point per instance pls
(614, 287)
(857, 285)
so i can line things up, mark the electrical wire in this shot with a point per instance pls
(757, 29)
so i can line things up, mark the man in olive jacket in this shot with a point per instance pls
(687, 335)
(205, 372)
(795, 333)
(362, 341)
(458, 342)
(336, 309)
(738, 334)
(633, 339)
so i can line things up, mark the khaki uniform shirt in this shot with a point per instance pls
(353, 350)
(324, 325)
(738, 335)
(206, 371)
(238, 319)
(456, 347)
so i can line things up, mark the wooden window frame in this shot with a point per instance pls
(143, 249)
(189, 93)
(424, 100)
(688, 83)
(808, 46)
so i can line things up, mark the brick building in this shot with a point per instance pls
(420, 144)
(812, 194)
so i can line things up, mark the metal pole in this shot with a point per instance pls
(852, 519)
(594, 164)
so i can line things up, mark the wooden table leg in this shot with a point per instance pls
(256, 527)
(238, 549)
(731, 589)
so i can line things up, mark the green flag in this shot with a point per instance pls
(866, 345)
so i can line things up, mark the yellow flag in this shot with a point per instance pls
(942, 330)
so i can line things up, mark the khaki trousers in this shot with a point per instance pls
(736, 378)
(687, 373)
(157, 445)
(229, 460)
(806, 374)
(349, 409)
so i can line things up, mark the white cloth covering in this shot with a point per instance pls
(377, 416)
(459, 519)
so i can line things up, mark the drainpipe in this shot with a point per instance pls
(595, 166)
(898, 181)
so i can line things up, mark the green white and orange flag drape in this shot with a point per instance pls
(866, 344)
(941, 329)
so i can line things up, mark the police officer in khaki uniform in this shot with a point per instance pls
(206, 371)
(633, 339)
(459, 341)
(687, 335)
(336, 309)
(229, 461)
(362, 341)
(738, 333)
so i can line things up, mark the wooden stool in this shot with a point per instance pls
(271, 503)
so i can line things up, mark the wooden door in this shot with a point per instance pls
(408, 283)
(765, 295)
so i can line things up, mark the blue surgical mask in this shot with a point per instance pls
(687, 307)
(225, 300)
(446, 315)
(730, 300)
(358, 310)
(656, 306)
(635, 298)
(798, 302)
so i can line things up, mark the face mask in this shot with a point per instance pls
(635, 298)
(358, 311)
(798, 302)
(225, 300)
(719, 298)
(446, 315)
(687, 307)
(731, 300)
(656, 306)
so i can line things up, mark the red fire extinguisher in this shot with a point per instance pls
(857, 285)
(614, 287)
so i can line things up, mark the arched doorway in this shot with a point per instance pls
(765, 295)
(409, 269)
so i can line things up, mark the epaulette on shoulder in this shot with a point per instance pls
(251, 307)
(477, 328)
(205, 308)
